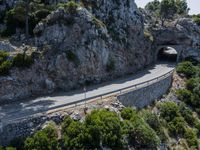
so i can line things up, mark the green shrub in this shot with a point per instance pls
(10, 148)
(110, 65)
(5, 67)
(154, 122)
(184, 95)
(128, 113)
(191, 137)
(186, 68)
(169, 111)
(3, 56)
(70, 7)
(196, 19)
(187, 114)
(106, 126)
(152, 119)
(46, 139)
(192, 83)
(71, 56)
(177, 126)
(100, 127)
(22, 61)
(141, 135)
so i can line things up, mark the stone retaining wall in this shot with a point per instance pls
(25, 127)
(147, 95)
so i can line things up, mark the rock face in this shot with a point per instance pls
(183, 35)
(82, 46)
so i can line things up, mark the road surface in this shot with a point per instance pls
(13, 111)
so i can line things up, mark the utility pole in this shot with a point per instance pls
(85, 96)
(27, 18)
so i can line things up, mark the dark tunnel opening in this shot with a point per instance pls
(167, 54)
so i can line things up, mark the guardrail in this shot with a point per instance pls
(105, 95)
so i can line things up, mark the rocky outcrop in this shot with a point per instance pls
(183, 33)
(88, 45)
(6, 46)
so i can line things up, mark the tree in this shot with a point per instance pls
(182, 7)
(167, 11)
(46, 139)
(153, 7)
(106, 127)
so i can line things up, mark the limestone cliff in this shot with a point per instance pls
(96, 41)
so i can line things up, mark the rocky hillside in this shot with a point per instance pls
(81, 43)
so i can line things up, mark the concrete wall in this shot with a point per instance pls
(147, 95)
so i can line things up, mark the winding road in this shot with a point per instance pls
(17, 110)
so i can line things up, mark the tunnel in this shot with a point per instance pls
(167, 54)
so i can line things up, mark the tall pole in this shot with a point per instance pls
(27, 21)
(85, 95)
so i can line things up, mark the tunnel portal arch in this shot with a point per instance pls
(168, 53)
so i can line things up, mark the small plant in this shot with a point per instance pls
(70, 7)
(191, 138)
(148, 36)
(5, 63)
(71, 56)
(177, 126)
(110, 65)
(5, 67)
(22, 61)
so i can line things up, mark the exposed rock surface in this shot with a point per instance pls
(183, 34)
(89, 46)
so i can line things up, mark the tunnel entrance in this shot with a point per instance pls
(167, 54)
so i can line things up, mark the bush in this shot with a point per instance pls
(192, 83)
(187, 114)
(169, 111)
(128, 113)
(73, 136)
(10, 148)
(46, 139)
(154, 122)
(184, 95)
(70, 7)
(5, 63)
(71, 56)
(141, 135)
(177, 126)
(110, 65)
(196, 19)
(3, 56)
(186, 68)
(5, 67)
(191, 138)
(100, 127)
(22, 61)
(106, 126)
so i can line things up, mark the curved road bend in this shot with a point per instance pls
(17, 110)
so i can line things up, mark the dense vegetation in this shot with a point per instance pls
(167, 9)
(15, 18)
(191, 94)
(7, 62)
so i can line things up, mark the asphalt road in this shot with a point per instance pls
(13, 111)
